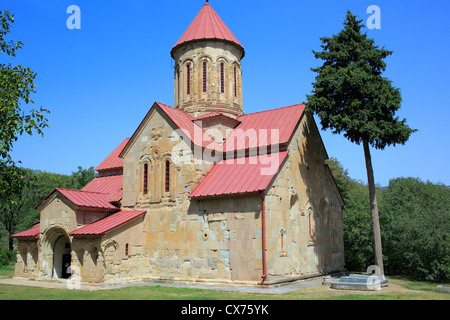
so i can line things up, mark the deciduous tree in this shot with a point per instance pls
(16, 87)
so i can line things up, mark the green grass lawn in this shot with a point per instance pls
(398, 289)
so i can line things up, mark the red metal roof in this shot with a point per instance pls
(113, 161)
(255, 129)
(111, 185)
(100, 227)
(207, 25)
(30, 233)
(87, 199)
(233, 177)
(258, 129)
(208, 115)
(215, 114)
(116, 196)
(183, 120)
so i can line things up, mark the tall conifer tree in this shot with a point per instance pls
(351, 96)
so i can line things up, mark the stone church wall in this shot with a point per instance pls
(122, 253)
(303, 211)
(214, 239)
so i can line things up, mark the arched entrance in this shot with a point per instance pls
(56, 253)
(61, 257)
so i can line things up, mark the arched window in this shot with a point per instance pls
(145, 182)
(188, 79)
(222, 78)
(312, 226)
(235, 82)
(178, 83)
(204, 76)
(167, 177)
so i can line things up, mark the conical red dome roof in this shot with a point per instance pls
(207, 25)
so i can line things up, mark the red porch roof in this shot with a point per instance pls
(84, 199)
(87, 199)
(30, 233)
(100, 227)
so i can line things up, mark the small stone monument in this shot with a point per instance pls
(372, 281)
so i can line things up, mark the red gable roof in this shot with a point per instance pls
(30, 233)
(228, 177)
(87, 199)
(111, 185)
(84, 199)
(113, 161)
(183, 120)
(208, 115)
(207, 25)
(256, 129)
(100, 227)
(216, 114)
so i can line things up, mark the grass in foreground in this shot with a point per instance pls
(398, 289)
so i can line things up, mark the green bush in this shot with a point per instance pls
(416, 230)
(414, 221)
(7, 257)
(357, 223)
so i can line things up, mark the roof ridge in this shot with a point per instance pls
(212, 115)
(99, 227)
(294, 105)
(112, 175)
(207, 24)
(67, 189)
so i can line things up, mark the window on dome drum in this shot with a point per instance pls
(235, 82)
(145, 186)
(204, 76)
(222, 78)
(126, 249)
(167, 180)
(188, 79)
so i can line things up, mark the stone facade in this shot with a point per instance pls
(290, 230)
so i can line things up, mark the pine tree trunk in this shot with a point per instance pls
(374, 209)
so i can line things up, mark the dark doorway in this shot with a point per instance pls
(66, 258)
(61, 258)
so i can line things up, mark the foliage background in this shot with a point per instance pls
(415, 226)
(414, 219)
(41, 183)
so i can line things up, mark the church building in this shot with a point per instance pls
(201, 191)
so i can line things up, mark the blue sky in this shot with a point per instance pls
(100, 81)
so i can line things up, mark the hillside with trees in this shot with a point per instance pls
(414, 220)
(20, 214)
